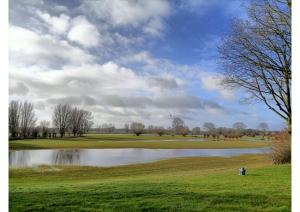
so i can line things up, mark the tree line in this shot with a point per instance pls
(76, 122)
(209, 129)
(65, 119)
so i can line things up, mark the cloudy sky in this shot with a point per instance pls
(127, 60)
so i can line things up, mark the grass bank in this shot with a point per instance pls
(95, 141)
(185, 184)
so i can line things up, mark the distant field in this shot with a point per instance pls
(185, 184)
(132, 141)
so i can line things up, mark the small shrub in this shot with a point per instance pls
(137, 128)
(281, 148)
(184, 130)
(160, 132)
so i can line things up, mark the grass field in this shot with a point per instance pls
(186, 184)
(180, 184)
(132, 141)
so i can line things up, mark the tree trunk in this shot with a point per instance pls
(289, 125)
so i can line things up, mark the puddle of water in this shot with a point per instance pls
(115, 157)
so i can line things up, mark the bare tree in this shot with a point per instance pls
(239, 126)
(137, 128)
(196, 131)
(251, 132)
(27, 118)
(151, 129)
(98, 128)
(257, 55)
(14, 112)
(159, 130)
(183, 130)
(87, 122)
(80, 121)
(210, 127)
(76, 120)
(35, 132)
(263, 127)
(177, 124)
(61, 118)
(107, 128)
(126, 127)
(44, 125)
(170, 131)
(223, 130)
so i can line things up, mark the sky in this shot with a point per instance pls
(128, 61)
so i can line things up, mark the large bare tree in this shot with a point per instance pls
(61, 118)
(87, 122)
(76, 120)
(14, 117)
(27, 118)
(80, 121)
(257, 55)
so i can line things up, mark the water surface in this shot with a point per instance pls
(115, 157)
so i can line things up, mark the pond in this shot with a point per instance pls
(115, 157)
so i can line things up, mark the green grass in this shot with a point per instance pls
(132, 141)
(185, 184)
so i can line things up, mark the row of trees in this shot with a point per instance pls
(209, 128)
(106, 128)
(76, 121)
(65, 119)
(21, 118)
(237, 126)
(71, 119)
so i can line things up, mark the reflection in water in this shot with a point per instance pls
(115, 157)
(66, 157)
(19, 158)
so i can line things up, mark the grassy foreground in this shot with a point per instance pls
(185, 184)
(94, 141)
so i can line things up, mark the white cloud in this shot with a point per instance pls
(93, 79)
(59, 24)
(235, 7)
(124, 40)
(146, 15)
(212, 82)
(142, 57)
(164, 82)
(18, 88)
(83, 32)
(27, 48)
(154, 27)
(77, 29)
